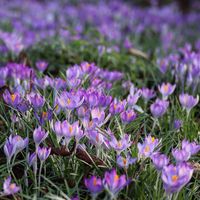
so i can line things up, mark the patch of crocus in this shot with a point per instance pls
(12, 99)
(117, 107)
(114, 183)
(160, 160)
(166, 89)
(176, 177)
(159, 107)
(148, 94)
(39, 135)
(124, 162)
(147, 148)
(128, 116)
(41, 65)
(192, 147)
(94, 185)
(36, 100)
(120, 145)
(43, 153)
(10, 188)
(177, 124)
(180, 155)
(188, 101)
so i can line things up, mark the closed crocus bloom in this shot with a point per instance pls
(43, 153)
(159, 160)
(147, 93)
(188, 101)
(94, 185)
(41, 65)
(12, 99)
(31, 158)
(120, 145)
(176, 177)
(192, 147)
(180, 155)
(10, 188)
(36, 100)
(159, 108)
(125, 161)
(177, 124)
(114, 183)
(39, 135)
(57, 128)
(128, 116)
(9, 149)
(166, 89)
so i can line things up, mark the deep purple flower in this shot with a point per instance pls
(94, 185)
(43, 153)
(12, 99)
(166, 89)
(125, 161)
(159, 108)
(36, 100)
(10, 188)
(113, 182)
(31, 158)
(128, 116)
(176, 177)
(159, 160)
(41, 65)
(180, 155)
(192, 147)
(39, 135)
(148, 94)
(177, 124)
(188, 102)
(147, 148)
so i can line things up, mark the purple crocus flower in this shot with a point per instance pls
(10, 188)
(94, 185)
(70, 100)
(113, 182)
(148, 94)
(117, 107)
(159, 160)
(57, 128)
(128, 116)
(180, 155)
(120, 145)
(124, 162)
(188, 101)
(166, 89)
(192, 147)
(36, 100)
(31, 158)
(175, 177)
(95, 137)
(12, 99)
(13, 145)
(39, 135)
(177, 124)
(159, 108)
(43, 153)
(41, 65)
(147, 148)
(98, 114)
